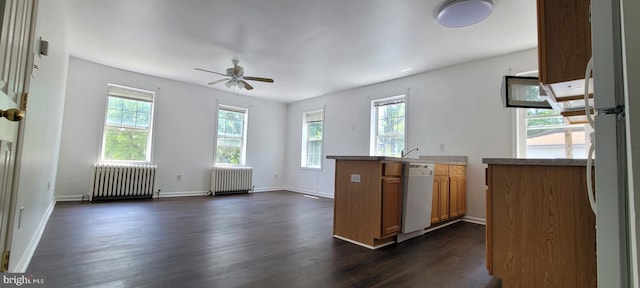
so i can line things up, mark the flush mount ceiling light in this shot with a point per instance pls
(460, 13)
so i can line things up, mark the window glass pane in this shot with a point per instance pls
(230, 136)
(549, 136)
(127, 129)
(125, 144)
(312, 139)
(390, 129)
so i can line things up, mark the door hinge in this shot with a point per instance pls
(23, 102)
(5, 261)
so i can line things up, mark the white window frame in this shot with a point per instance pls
(125, 92)
(304, 155)
(243, 149)
(374, 122)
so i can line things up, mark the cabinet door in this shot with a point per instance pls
(458, 196)
(563, 53)
(391, 206)
(441, 188)
(454, 196)
(435, 202)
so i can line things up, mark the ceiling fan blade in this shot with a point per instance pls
(217, 81)
(246, 85)
(210, 71)
(269, 80)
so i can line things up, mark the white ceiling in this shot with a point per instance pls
(310, 48)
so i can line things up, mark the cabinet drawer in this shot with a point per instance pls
(392, 169)
(442, 170)
(457, 171)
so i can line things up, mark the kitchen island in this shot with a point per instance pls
(540, 227)
(370, 191)
(367, 200)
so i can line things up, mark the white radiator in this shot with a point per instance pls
(231, 179)
(122, 181)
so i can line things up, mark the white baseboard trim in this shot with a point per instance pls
(474, 220)
(68, 198)
(442, 226)
(268, 189)
(365, 245)
(183, 194)
(314, 193)
(23, 263)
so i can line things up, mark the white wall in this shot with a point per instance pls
(43, 124)
(458, 106)
(183, 131)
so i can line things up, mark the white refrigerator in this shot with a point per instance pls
(616, 65)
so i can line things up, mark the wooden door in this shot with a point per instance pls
(391, 205)
(16, 41)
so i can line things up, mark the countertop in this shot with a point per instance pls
(376, 158)
(454, 160)
(536, 162)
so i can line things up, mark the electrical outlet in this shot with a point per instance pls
(277, 175)
(441, 147)
(179, 177)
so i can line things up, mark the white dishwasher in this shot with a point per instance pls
(418, 195)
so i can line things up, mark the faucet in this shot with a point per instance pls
(402, 154)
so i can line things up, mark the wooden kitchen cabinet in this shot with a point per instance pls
(449, 193)
(367, 200)
(564, 40)
(457, 191)
(391, 206)
(540, 227)
(564, 49)
(440, 202)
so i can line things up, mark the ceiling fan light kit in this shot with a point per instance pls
(235, 77)
(461, 13)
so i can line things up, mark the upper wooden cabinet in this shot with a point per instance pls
(564, 40)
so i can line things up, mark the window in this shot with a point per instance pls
(127, 131)
(232, 132)
(312, 139)
(544, 133)
(388, 126)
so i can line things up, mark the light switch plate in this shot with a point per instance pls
(355, 178)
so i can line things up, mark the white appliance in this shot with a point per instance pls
(417, 198)
(615, 46)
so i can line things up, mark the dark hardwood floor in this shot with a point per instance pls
(271, 239)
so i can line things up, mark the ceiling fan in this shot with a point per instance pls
(235, 77)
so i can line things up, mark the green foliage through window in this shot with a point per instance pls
(127, 130)
(543, 121)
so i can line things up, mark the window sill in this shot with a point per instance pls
(311, 168)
